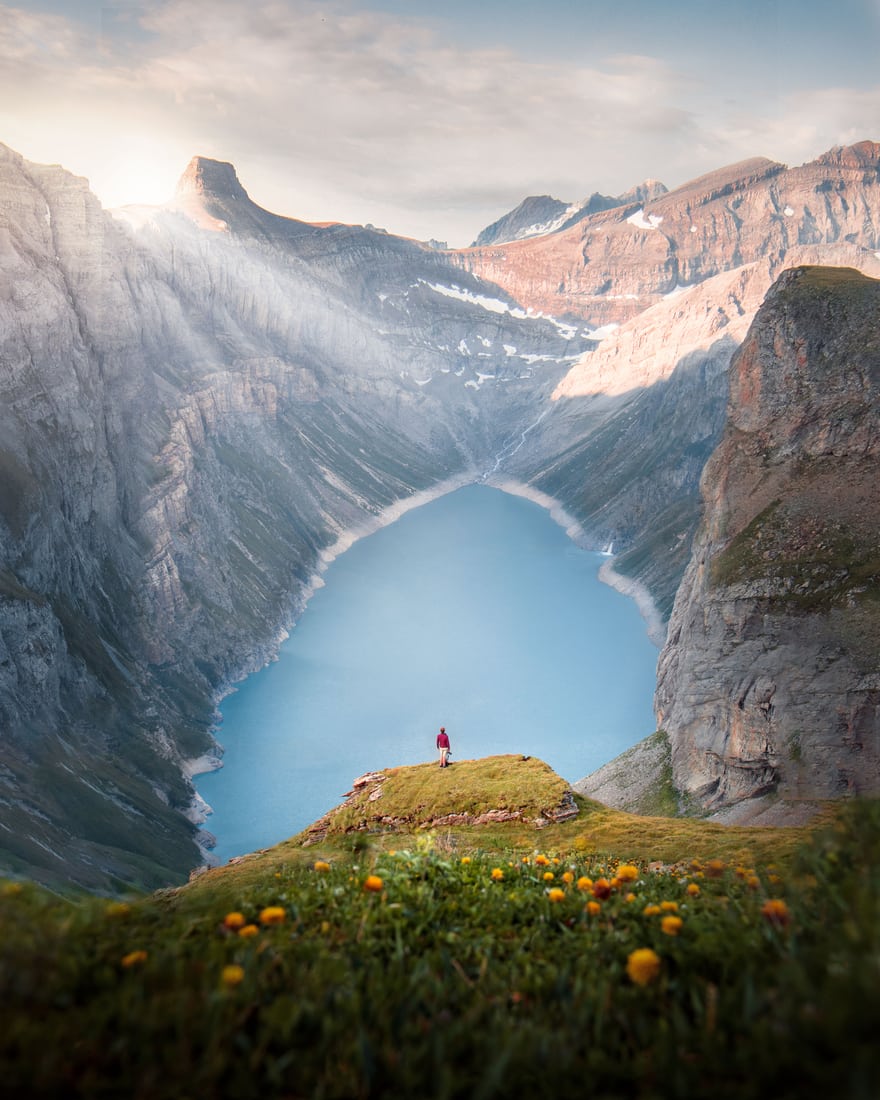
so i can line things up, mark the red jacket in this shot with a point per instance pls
(442, 741)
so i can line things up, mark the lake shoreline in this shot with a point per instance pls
(268, 652)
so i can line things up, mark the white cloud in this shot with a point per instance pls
(332, 112)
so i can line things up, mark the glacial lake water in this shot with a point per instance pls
(476, 612)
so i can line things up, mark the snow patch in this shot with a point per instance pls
(481, 378)
(495, 305)
(472, 384)
(509, 349)
(788, 211)
(423, 381)
(486, 343)
(463, 349)
(643, 221)
(604, 330)
(693, 229)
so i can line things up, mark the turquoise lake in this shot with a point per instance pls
(475, 612)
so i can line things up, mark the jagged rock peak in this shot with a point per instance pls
(534, 215)
(213, 178)
(864, 154)
(648, 190)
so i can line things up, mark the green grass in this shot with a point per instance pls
(462, 975)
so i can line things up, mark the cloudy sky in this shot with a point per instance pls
(431, 119)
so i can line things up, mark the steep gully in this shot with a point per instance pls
(199, 402)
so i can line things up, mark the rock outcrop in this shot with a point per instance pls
(769, 681)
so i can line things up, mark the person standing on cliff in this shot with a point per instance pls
(443, 746)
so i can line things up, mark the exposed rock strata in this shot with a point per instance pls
(613, 265)
(194, 405)
(769, 680)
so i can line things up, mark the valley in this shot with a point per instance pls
(198, 401)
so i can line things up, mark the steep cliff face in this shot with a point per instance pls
(194, 403)
(769, 682)
(613, 265)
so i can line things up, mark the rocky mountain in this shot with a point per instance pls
(199, 402)
(769, 684)
(535, 215)
(614, 264)
(541, 214)
(196, 403)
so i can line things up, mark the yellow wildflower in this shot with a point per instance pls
(556, 894)
(693, 890)
(133, 958)
(753, 882)
(234, 921)
(671, 925)
(373, 884)
(548, 876)
(593, 908)
(568, 878)
(669, 906)
(643, 966)
(321, 865)
(272, 914)
(556, 861)
(584, 883)
(525, 859)
(232, 975)
(627, 872)
(497, 874)
(630, 897)
(541, 861)
(118, 909)
(325, 927)
(248, 931)
(651, 910)
(715, 868)
(465, 860)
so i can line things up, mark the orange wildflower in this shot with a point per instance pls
(643, 966)
(671, 925)
(234, 921)
(776, 912)
(272, 914)
(373, 884)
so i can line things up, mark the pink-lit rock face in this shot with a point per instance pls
(613, 265)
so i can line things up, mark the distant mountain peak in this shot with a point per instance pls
(211, 178)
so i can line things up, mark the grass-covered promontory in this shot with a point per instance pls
(606, 955)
